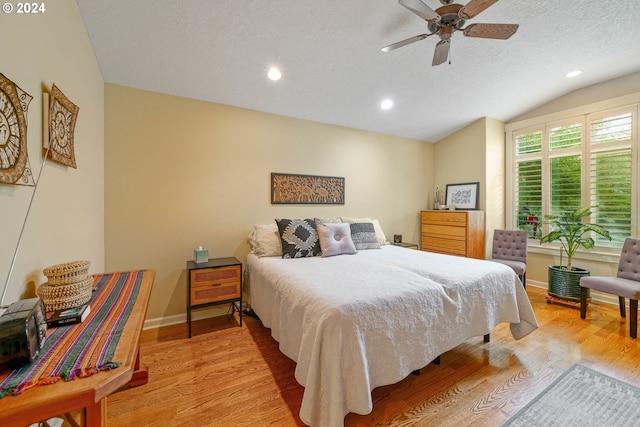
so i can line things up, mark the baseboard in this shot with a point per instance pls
(595, 295)
(196, 314)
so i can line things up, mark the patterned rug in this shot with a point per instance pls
(582, 397)
(80, 350)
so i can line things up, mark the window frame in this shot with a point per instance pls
(544, 123)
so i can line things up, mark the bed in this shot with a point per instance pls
(356, 322)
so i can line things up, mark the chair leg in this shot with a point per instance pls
(583, 302)
(623, 309)
(524, 280)
(633, 315)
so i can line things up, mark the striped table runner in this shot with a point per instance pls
(84, 349)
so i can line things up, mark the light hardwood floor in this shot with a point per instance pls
(231, 376)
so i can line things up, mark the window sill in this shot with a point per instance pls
(607, 255)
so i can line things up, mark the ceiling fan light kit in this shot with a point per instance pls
(447, 19)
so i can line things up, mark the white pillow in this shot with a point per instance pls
(265, 240)
(327, 220)
(382, 239)
(335, 239)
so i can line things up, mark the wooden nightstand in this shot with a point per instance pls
(217, 281)
(406, 245)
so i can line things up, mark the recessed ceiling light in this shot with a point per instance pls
(573, 73)
(386, 104)
(274, 73)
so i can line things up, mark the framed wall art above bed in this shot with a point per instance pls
(306, 189)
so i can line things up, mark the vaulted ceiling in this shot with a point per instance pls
(333, 70)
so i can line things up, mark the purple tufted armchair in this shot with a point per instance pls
(510, 248)
(626, 284)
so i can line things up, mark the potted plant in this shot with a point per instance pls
(571, 230)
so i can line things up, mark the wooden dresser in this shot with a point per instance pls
(453, 232)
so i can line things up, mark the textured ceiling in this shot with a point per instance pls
(332, 66)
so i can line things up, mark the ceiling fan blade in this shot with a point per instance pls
(491, 31)
(421, 9)
(474, 7)
(404, 42)
(441, 53)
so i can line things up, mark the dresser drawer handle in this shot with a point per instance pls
(216, 284)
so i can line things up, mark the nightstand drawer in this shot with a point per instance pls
(215, 284)
(212, 292)
(209, 276)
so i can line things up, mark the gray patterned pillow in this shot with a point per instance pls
(363, 235)
(299, 238)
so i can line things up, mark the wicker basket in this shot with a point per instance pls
(70, 272)
(62, 297)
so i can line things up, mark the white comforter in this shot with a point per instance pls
(356, 322)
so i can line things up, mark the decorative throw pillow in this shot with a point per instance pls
(335, 239)
(265, 240)
(382, 238)
(327, 220)
(363, 235)
(299, 238)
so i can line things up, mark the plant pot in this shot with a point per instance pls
(565, 284)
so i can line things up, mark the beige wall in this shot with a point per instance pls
(182, 173)
(460, 157)
(66, 222)
(476, 154)
(494, 180)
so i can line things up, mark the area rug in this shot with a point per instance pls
(582, 397)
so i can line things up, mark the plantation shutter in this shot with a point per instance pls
(610, 178)
(565, 144)
(528, 192)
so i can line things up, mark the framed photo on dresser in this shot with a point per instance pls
(463, 196)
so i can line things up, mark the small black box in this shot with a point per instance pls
(23, 328)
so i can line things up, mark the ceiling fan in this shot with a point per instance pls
(449, 18)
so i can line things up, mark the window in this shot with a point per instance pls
(586, 160)
(610, 180)
(528, 197)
